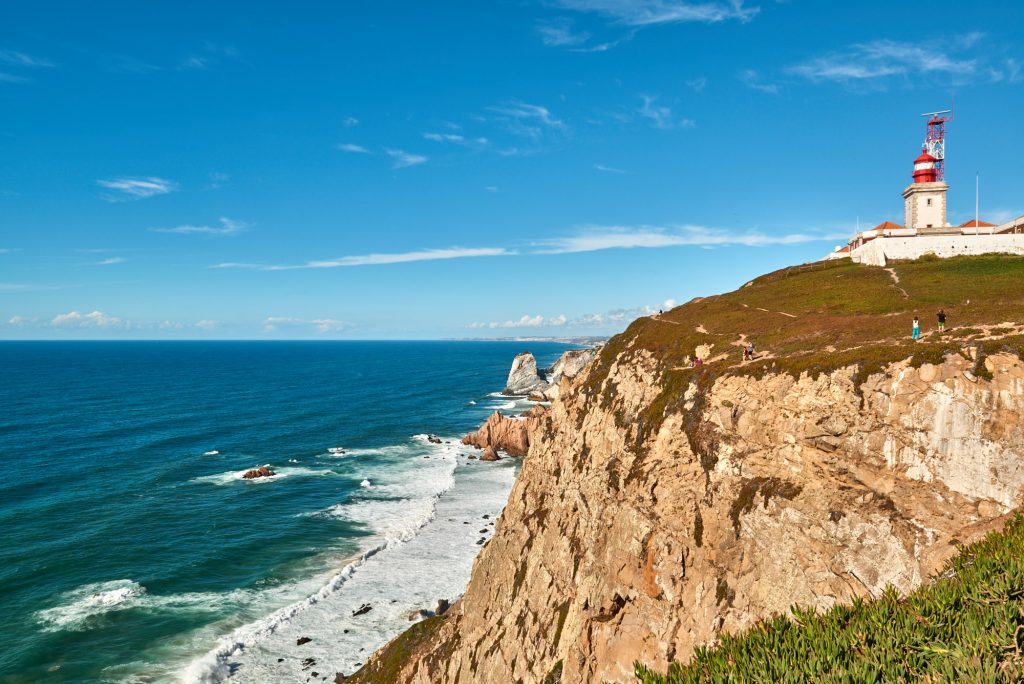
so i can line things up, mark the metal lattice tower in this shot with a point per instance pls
(935, 140)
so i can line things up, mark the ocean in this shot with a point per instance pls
(133, 551)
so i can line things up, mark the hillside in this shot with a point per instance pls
(661, 506)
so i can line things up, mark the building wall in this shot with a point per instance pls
(925, 206)
(882, 250)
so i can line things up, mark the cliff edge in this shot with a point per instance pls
(662, 504)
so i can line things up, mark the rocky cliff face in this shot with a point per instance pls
(511, 435)
(645, 523)
(525, 379)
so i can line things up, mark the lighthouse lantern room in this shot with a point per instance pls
(924, 206)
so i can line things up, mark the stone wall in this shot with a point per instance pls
(880, 251)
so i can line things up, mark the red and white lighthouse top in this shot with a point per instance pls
(924, 168)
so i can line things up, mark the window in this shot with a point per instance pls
(929, 204)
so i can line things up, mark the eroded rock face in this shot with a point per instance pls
(524, 377)
(623, 542)
(511, 435)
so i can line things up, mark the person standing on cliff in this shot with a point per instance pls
(915, 332)
(942, 320)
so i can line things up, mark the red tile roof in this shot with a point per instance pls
(888, 225)
(976, 224)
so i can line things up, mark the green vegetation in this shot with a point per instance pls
(816, 318)
(967, 626)
(393, 657)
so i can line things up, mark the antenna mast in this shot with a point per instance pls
(935, 140)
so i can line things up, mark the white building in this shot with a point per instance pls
(926, 229)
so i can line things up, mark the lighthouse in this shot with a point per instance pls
(924, 206)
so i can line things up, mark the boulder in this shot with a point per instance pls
(433, 439)
(490, 455)
(262, 471)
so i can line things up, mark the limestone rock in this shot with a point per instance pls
(621, 542)
(490, 455)
(524, 377)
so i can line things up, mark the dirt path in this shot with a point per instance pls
(896, 282)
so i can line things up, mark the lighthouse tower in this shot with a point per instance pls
(925, 199)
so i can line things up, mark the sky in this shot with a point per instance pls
(400, 170)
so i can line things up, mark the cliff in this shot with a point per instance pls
(661, 506)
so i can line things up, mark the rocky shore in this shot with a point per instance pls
(661, 506)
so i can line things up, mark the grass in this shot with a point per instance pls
(817, 318)
(966, 626)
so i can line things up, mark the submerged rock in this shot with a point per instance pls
(302, 640)
(262, 471)
(362, 610)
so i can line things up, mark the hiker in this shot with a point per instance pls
(942, 320)
(915, 333)
(750, 348)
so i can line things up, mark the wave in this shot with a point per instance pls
(233, 476)
(82, 608)
(212, 452)
(394, 520)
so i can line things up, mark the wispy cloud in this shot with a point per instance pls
(322, 325)
(560, 33)
(21, 59)
(379, 259)
(523, 110)
(526, 120)
(227, 227)
(594, 238)
(661, 115)
(698, 84)
(111, 261)
(136, 188)
(21, 321)
(752, 79)
(648, 12)
(608, 169)
(11, 78)
(94, 319)
(401, 159)
(349, 121)
(355, 149)
(881, 59)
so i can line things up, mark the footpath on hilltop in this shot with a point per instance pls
(666, 504)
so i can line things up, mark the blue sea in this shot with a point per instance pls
(133, 551)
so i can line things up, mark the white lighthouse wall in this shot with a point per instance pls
(882, 250)
(922, 215)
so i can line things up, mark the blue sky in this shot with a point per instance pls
(419, 170)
